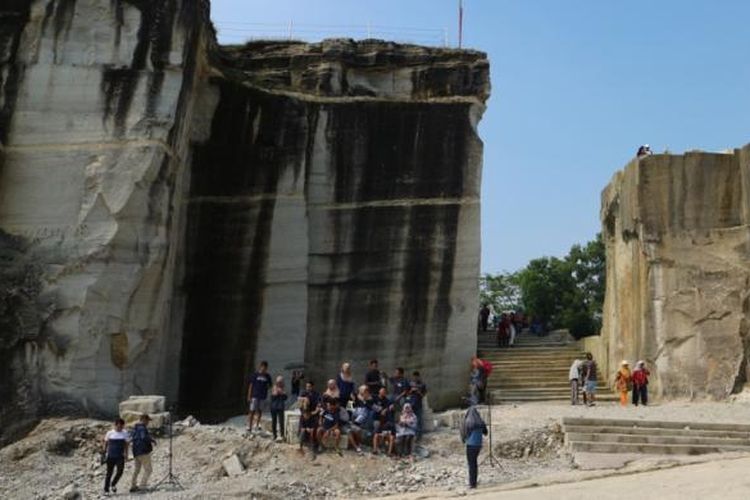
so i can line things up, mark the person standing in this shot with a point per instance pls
(574, 376)
(346, 385)
(623, 382)
(142, 444)
(373, 377)
(484, 316)
(257, 393)
(589, 379)
(640, 383)
(417, 392)
(278, 405)
(473, 429)
(477, 382)
(115, 451)
(399, 386)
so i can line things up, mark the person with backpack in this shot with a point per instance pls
(142, 444)
(472, 430)
(478, 381)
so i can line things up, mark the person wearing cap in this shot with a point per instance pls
(640, 383)
(623, 382)
(142, 444)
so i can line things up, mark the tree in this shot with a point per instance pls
(500, 291)
(563, 293)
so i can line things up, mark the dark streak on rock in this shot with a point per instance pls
(15, 15)
(63, 20)
(228, 241)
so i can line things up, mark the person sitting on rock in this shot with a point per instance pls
(308, 429)
(331, 392)
(361, 424)
(309, 398)
(384, 426)
(644, 150)
(406, 431)
(329, 426)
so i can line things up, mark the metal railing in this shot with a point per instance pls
(239, 32)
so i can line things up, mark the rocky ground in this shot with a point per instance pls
(59, 457)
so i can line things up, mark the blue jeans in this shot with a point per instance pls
(472, 454)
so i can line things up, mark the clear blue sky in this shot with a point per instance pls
(577, 86)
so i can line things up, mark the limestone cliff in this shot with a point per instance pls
(172, 211)
(678, 270)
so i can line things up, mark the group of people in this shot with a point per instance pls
(384, 413)
(583, 375)
(635, 381)
(117, 443)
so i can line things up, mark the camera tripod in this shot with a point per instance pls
(171, 478)
(490, 458)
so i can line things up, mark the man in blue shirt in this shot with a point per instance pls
(330, 424)
(417, 392)
(257, 393)
(473, 429)
(142, 444)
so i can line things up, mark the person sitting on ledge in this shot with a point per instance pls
(330, 425)
(308, 428)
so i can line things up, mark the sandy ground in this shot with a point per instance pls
(61, 454)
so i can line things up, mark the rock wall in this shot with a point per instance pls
(171, 211)
(678, 270)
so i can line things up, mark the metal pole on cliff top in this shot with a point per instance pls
(460, 23)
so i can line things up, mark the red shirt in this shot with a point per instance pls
(640, 377)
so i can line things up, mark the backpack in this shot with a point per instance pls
(141, 441)
(487, 367)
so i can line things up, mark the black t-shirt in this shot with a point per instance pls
(260, 383)
(372, 381)
(330, 419)
(313, 398)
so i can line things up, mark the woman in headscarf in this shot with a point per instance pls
(346, 385)
(332, 391)
(623, 382)
(472, 430)
(406, 429)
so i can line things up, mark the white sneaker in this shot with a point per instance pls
(279, 439)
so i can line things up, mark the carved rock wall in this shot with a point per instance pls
(678, 270)
(171, 212)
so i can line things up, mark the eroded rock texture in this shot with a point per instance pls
(678, 270)
(172, 211)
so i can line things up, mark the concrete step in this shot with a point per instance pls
(659, 449)
(656, 424)
(528, 398)
(655, 431)
(542, 384)
(573, 437)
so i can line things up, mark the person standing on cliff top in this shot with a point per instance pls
(257, 393)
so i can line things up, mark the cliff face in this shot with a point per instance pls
(678, 270)
(171, 212)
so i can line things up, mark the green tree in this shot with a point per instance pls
(500, 291)
(563, 292)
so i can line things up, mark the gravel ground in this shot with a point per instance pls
(60, 456)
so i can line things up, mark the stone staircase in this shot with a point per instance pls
(598, 435)
(534, 369)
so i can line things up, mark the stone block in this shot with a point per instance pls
(233, 466)
(143, 404)
(158, 420)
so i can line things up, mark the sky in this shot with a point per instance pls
(577, 86)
